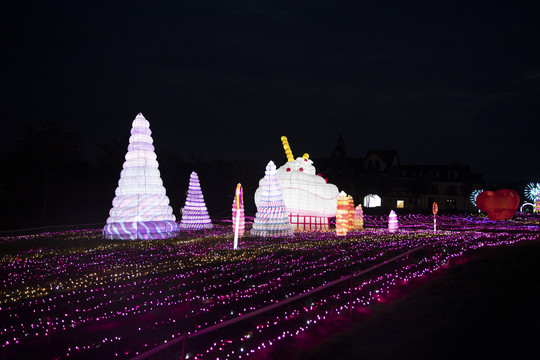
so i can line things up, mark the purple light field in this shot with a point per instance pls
(74, 295)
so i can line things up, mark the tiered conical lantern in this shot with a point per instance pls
(271, 219)
(392, 222)
(141, 207)
(342, 214)
(358, 221)
(194, 214)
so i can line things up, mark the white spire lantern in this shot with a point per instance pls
(271, 219)
(141, 207)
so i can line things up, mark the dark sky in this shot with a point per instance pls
(441, 83)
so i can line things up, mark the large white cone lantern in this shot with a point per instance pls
(141, 207)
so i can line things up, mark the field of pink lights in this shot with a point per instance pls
(74, 295)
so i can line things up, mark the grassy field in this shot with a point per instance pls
(484, 307)
(72, 294)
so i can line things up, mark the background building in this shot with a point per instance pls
(410, 187)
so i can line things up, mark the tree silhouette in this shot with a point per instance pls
(45, 177)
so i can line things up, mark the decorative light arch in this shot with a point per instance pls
(526, 204)
(372, 200)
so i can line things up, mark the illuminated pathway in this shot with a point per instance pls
(76, 294)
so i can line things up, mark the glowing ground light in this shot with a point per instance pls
(473, 196)
(124, 298)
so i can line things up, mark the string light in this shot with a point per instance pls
(108, 295)
(473, 196)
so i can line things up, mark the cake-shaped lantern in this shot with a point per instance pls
(271, 219)
(358, 220)
(392, 222)
(194, 214)
(141, 207)
(342, 214)
(310, 201)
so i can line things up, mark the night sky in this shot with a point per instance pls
(441, 83)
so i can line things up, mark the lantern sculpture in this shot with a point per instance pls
(532, 192)
(238, 217)
(287, 148)
(140, 207)
(194, 213)
(342, 214)
(499, 205)
(358, 220)
(392, 222)
(271, 219)
(474, 195)
(350, 203)
(309, 200)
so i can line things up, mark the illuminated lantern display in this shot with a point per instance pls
(358, 220)
(271, 219)
(499, 205)
(474, 195)
(140, 207)
(309, 200)
(194, 214)
(392, 222)
(238, 216)
(351, 212)
(287, 148)
(532, 192)
(342, 214)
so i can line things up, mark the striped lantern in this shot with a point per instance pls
(194, 214)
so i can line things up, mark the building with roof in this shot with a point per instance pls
(381, 177)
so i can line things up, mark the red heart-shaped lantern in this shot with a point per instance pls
(499, 205)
